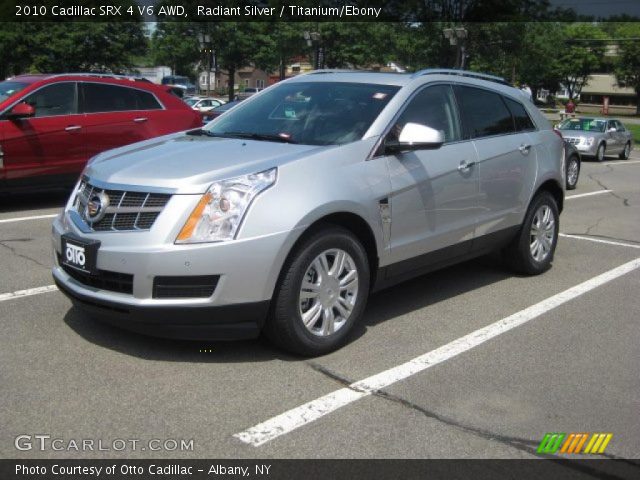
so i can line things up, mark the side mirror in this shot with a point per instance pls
(22, 110)
(415, 136)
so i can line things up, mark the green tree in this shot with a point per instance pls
(175, 44)
(15, 48)
(580, 55)
(541, 68)
(627, 67)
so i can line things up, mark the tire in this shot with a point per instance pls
(573, 172)
(624, 155)
(600, 152)
(519, 254)
(285, 326)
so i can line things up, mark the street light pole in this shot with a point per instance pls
(457, 36)
(205, 46)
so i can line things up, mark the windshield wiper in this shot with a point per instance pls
(201, 131)
(261, 136)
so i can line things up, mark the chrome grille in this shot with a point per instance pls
(127, 211)
(573, 140)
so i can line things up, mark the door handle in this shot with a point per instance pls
(140, 119)
(524, 149)
(465, 166)
(72, 128)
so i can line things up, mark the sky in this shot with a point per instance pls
(600, 8)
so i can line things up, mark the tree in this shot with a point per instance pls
(276, 44)
(235, 47)
(627, 67)
(175, 44)
(541, 69)
(579, 55)
(15, 48)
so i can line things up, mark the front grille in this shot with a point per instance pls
(126, 211)
(572, 140)
(104, 280)
(201, 286)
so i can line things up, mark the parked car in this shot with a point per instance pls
(572, 165)
(597, 137)
(247, 92)
(204, 104)
(283, 214)
(50, 125)
(181, 82)
(217, 111)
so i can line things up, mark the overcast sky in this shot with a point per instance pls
(601, 8)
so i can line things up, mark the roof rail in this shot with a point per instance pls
(331, 70)
(462, 73)
(102, 75)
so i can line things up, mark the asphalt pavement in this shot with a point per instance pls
(412, 382)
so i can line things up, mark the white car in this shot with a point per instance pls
(204, 104)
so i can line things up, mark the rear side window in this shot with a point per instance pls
(146, 101)
(520, 116)
(101, 97)
(483, 112)
(54, 100)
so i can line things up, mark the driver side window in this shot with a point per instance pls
(433, 107)
(54, 100)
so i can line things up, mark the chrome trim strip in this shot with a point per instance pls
(128, 188)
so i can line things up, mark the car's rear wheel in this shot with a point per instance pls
(322, 293)
(573, 172)
(624, 155)
(600, 152)
(531, 252)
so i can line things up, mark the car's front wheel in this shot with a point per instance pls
(600, 152)
(573, 172)
(322, 293)
(531, 252)
(624, 155)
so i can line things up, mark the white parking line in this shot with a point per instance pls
(315, 409)
(586, 194)
(621, 162)
(598, 240)
(27, 293)
(22, 219)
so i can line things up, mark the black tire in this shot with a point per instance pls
(285, 326)
(600, 152)
(572, 183)
(624, 155)
(518, 254)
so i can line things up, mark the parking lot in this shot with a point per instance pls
(471, 361)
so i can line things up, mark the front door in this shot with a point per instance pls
(434, 199)
(49, 145)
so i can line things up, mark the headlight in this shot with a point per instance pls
(589, 141)
(219, 212)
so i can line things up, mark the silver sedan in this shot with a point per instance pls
(597, 137)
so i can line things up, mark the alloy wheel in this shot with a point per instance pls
(543, 227)
(328, 292)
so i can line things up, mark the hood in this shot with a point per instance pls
(189, 164)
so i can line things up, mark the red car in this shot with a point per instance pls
(50, 125)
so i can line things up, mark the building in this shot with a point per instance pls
(247, 77)
(621, 99)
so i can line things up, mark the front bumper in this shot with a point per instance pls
(247, 270)
(225, 322)
(588, 150)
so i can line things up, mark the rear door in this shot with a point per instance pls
(112, 116)
(434, 198)
(506, 156)
(51, 143)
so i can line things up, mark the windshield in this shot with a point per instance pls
(311, 113)
(9, 88)
(583, 124)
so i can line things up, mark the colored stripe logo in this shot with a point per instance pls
(573, 443)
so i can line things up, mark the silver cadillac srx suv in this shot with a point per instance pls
(282, 215)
